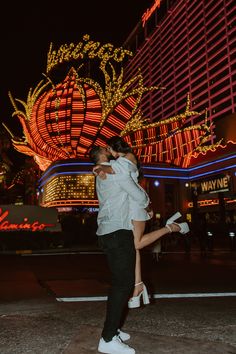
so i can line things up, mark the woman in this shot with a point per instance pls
(126, 160)
(125, 156)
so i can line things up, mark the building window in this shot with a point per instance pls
(221, 86)
(218, 57)
(219, 97)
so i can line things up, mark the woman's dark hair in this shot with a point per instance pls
(119, 145)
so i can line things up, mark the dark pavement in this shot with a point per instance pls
(33, 321)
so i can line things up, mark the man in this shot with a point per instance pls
(115, 236)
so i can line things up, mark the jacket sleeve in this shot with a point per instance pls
(133, 189)
(122, 165)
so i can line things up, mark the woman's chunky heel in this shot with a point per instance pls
(135, 301)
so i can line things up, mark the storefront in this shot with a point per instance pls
(206, 189)
(27, 227)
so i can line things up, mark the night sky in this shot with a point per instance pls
(28, 29)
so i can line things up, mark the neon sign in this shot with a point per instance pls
(150, 11)
(24, 225)
(215, 185)
(90, 48)
(219, 183)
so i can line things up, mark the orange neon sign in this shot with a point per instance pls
(150, 11)
(6, 225)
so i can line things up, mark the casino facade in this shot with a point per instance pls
(189, 47)
(172, 98)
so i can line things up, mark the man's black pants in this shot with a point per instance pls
(120, 251)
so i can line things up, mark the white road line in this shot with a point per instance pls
(179, 296)
(58, 254)
(82, 298)
(155, 296)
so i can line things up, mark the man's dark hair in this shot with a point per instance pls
(94, 154)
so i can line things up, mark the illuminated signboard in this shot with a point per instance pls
(150, 11)
(28, 218)
(66, 189)
(215, 184)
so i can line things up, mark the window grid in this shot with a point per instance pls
(205, 44)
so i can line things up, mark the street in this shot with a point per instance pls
(55, 303)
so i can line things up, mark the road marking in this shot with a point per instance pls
(32, 253)
(59, 253)
(179, 296)
(155, 296)
(82, 298)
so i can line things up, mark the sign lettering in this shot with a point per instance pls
(219, 183)
(6, 225)
(150, 11)
(84, 49)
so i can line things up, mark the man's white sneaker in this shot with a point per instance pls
(115, 346)
(123, 335)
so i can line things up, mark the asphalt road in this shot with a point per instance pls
(85, 274)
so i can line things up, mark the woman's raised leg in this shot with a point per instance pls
(151, 237)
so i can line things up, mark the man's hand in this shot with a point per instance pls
(97, 171)
(150, 211)
(102, 170)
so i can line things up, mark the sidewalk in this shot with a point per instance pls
(191, 326)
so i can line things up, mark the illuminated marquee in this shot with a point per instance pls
(211, 202)
(219, 183)
(69, 189)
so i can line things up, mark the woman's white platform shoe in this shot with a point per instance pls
(135, 301)
(174, 217)
(184, 228)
